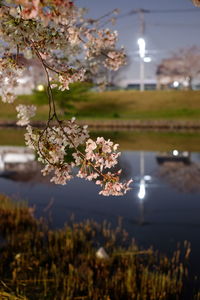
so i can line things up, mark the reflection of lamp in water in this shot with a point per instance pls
(142, 189)
(141, 196)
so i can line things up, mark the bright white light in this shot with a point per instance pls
(147, 59)
(142, 45)
(147, 177)
(142, 191)
(175, 152)
(175, 84)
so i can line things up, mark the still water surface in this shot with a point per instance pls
(162, 209)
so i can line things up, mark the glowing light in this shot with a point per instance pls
(175, 84)
(175, 152)
(147, 59)
(142, 45)
(40, 88)
(142, 190)
(147, 177)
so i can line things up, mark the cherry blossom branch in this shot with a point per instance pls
(63, 146)
(51, 100)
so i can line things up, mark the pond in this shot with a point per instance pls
(162, 209)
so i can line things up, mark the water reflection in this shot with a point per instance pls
(179, 170)
(15, 158)
(142, 188)
(19, 164)
(144, 179)
(162, 197)
(168, 214)
(185, 178)
(174, 156)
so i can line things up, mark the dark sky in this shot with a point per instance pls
(165, 32)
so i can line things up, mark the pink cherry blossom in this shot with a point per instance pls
(69, 48)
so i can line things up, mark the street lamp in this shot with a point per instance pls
(142, 46)
(142, 49)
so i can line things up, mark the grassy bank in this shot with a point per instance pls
(38, 263)
(128, 140)
(149, 105)
(124, 105)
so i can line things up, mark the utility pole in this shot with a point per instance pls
(141, 43)
(142, 22)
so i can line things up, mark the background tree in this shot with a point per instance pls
(182, 66)
(106, 78)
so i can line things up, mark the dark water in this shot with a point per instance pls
(165, 212)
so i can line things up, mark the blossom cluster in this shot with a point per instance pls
(55, 10)
(64, 148)
(54, 147)
(104, 42)
(25, 112)
(69, 77)
(55, 29)
(10, 72)
(98, 40)
(196, 2)
(115, 59)
(100, 156)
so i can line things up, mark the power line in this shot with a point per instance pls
(197, 26)
(192, 26)
(157, 11)
(160, 11)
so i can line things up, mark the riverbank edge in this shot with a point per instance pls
(124, 124)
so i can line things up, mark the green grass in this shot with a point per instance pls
(181, 105)
(8, 111)
(129, 105)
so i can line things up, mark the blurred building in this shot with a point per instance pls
(149, 85)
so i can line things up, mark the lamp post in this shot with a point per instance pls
(142, 49)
